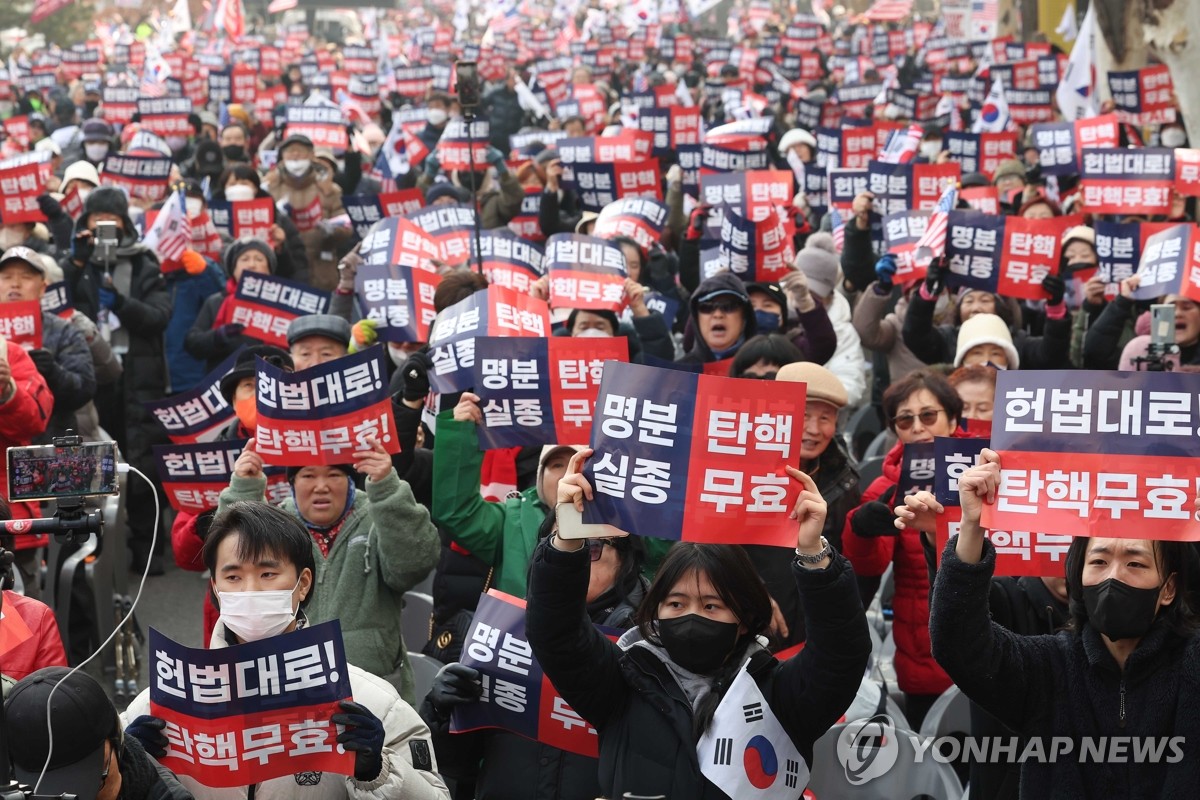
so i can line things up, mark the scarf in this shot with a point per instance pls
(324, 535)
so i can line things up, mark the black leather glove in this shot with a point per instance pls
(49, 207)
(1056, 287)
(45, 363)
(415, 372)
(875, 518)
(149, 731)
(363, 735)
(455, 685)
(935, 276)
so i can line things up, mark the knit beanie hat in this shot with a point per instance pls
(819, 263)
(986, 329)
(235, 250)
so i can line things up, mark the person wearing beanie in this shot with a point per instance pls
(446, 193)
(214, 336)
(370, 547)
(824, 457)
(818, 263)
(788, 307)
(937, 344)
(1010, 174)
(121, 289)
(1037, 204)
(985, 339)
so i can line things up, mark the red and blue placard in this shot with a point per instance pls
(241, 715)
(697, 458)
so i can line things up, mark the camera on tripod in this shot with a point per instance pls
(68, 472)
(1162, 340)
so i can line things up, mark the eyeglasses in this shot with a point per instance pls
(724, 305)
(596, 548)
(927, 417)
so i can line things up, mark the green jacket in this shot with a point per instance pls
(502, 534)
(385, 547)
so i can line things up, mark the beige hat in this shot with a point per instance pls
(986, 329)
(823, 385)
(1009, 166)
(1081, 233)
(547, 451)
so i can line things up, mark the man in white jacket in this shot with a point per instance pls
(255, 547)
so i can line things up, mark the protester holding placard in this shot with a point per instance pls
(1105, 340)
(918, 407)
(662, 686)
(498, 193)
(214, 335)
(266, 583)
(240, 183)
(1131, 638)
(788, 307)
(122, 290)
(818, 262)
(62, 356)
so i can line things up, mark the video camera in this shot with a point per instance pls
(68, 472)
(1162, 340)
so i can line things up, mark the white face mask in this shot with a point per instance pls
(11, 237)
(397, 355)
(931, 149)
(240, 192)
(176, 143)
(96, 151)
(436, 116)
(83, 195)
(253, 616)
(194, 206)
(297, 167)
(1173, 137)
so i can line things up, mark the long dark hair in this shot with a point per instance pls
(732, 574)
(1171, 558)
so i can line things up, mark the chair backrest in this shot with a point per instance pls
(881, 444)
(425, 669)
(414, 622)
(949, 714)
(905, 779)
(869, 470)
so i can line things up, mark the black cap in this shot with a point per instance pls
(247, 367)
(81, 719)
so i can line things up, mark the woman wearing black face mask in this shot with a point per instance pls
(653, 694)
(1126, 667)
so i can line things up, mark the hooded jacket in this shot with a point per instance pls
(385, 547)
(724, 281)
(404, 734)
(74, 383)
(636, 703)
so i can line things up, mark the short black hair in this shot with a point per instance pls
(265, 531)
(774, 348)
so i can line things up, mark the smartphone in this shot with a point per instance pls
(1162, 324)
(468, 84)
(106, 234)
(47, 472)
(572, 526)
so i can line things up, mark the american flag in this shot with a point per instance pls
(932, 243)
(171, 232)
(902, 146)
(839, 228)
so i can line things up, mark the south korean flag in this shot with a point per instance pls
(746, 753)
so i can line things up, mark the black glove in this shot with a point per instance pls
(455, 685)
(149, 731)
(363, 735)
(230, 331)
(49, 207)
(935, 276)
(83, 246)
(1056, 287)
(45, 363)
(875, 518)
(415, 373)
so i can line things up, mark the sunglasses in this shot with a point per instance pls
(769, 376)
(725, 306)
(927, 417)
(596, 548)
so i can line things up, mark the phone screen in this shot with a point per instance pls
(48, 473)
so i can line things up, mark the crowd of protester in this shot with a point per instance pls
(887, 362)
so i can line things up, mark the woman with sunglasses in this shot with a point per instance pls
(918, 407)
(506, 766)
(652, 694)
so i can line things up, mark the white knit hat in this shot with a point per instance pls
(794, 137)
(986, 329)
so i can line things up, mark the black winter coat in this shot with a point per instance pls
(647, 746)
(1069, 685)
(1051, 350)
(73, 384)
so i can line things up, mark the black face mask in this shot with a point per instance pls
(235, 152)
(697, 643)
(1120, 611)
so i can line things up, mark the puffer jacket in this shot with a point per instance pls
(403, 730)
(188, 296)
(700, 352)
(385, 546)
(916, 670)
(23, 417)
(635, 702)
(74, 383)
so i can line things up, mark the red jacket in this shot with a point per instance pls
(43, 649)
(22, 419)
(186, 544)
(916, 670)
